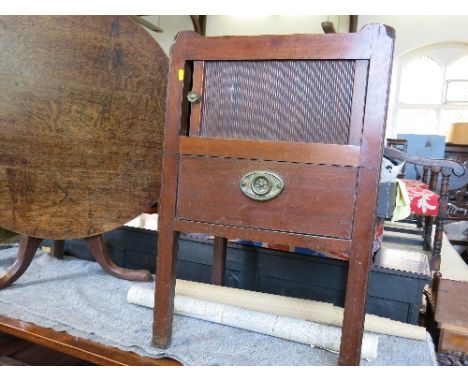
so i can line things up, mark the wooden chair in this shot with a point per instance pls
(436, 174)
(275, 138)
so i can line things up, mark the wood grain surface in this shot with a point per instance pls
(451, 305)
(306, 206)
(81, 123)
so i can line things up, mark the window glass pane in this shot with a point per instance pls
(416, 121)
(449, 116)
(457, 91)
(421, 81)
(458, 70)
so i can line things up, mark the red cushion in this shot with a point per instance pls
(423, 201)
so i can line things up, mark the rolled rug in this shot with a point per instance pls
(309, 310)
(288, 328)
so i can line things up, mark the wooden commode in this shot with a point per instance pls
(277, 139)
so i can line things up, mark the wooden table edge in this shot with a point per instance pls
(81, 348)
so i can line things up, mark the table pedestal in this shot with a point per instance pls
(97, 245)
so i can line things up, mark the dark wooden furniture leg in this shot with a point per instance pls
(358, 276)
(165, 288)
(354, 312)
(98, 248)
(439, 232)
(57, 250)
(168, 237)
(440, 220)
(427, 232)
(219, 260)
(429, 220)
(27, 249)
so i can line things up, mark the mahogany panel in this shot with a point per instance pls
(195, 108)
(317, 200)
(348, 46)
(359, 102)
(318, 243)
(330, 154)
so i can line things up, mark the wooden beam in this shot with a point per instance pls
(147, 24)
(328, 27)
(199, 24)
(353, 23)
(202, 20)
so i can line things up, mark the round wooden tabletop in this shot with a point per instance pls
(81, 123)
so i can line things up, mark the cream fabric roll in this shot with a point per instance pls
(292, 329)
(309, 310)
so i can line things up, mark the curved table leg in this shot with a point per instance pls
(27, 249)
(98, 248)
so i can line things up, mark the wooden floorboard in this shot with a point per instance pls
(10, 345)
(18, 352)
(66, 344)
(8, 361)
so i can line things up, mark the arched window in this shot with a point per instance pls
(432, 91)
(456, 94)
(420, 93)
(421, 81)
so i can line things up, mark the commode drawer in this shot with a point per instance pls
(315, 199)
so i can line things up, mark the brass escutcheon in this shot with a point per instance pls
(261, 185)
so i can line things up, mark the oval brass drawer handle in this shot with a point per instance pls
(261, 185)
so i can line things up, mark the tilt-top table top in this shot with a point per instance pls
(81, 123)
